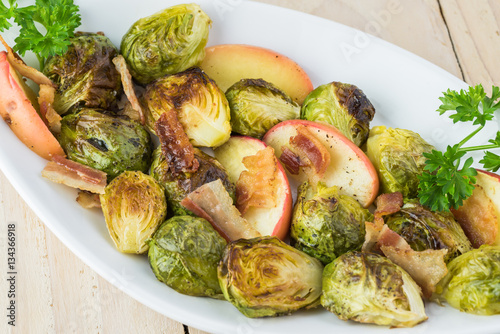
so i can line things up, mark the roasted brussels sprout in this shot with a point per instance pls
(85, 75)
(134, 205)
(472, 284)
(265, 277)
(326, 224)
(179, 185)
(184, 254)
(201, 106)
(342, 105)
(108, 143)
(257, 105)
(369, 288)
(424, 229)
(397, 156)
(167, 42)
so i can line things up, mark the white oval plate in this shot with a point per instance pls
(403, 87)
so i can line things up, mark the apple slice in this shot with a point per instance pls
(273, 221)
(479, 216)
(349, 168)
(229, 63)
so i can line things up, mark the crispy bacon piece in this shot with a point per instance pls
(26, 71)
(308, 152)
(88, 200)
(426, 267)
(75, 175)
(128, 86)
(212, 202)
(49, 115)
(257, 186)
(175, 144)
(386, 205)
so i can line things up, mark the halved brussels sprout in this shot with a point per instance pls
(133, 205)
(108, 143)
(326, 224)
(342, 105)
(472, 284)
(179, 185)
(167, 42)
(397, 154)
(424, 229)
(184, 254)
(369, 288)
(85, 75)
(201, 106)
(265, 277)
(257, 105)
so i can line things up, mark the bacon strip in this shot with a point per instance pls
(75, 175)
(88, 200)
(308, 152)
(257, 186)
(47, 112)
(175, 144)
(26, 71)
(212, 202)
(128, 86)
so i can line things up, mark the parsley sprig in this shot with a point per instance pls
(59, 19)
(446, 182)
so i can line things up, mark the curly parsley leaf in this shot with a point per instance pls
(445, 182)
(59, 19)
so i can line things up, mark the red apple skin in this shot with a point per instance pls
(18, 112)
(252, 145)
(480, 214)
(229, 63)
(358, 179)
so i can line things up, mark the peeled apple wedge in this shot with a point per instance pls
(349, 169)
(18, 112)
(268, 221)
(229, 63)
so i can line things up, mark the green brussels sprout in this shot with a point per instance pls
(265, 277)
(369, 288)
(342, 105)
(167, 42)
(85, 75)
(257, 105)
(179, 185)
(424, 229)
(472, 284)
(201, 106)
(326, 224)
(134, 205)
(397, 154)
(184, 253)
(108, 143)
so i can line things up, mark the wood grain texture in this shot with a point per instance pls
(58, 293)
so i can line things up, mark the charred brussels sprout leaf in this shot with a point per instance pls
(265, 277)
(167, 42)
(257, 105)
(85, 75)
(397, 156)
(369, 288)
(184, 254)
(133, 205)
(201, 106)
(472, 284)
(179, 185)
(108, 143)
(424, 229)
(342, 105)
(325, 224)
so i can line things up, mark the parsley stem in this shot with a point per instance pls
(41, 61)
(477, 148)
(466, 139)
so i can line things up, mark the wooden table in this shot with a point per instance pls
(58, 293)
